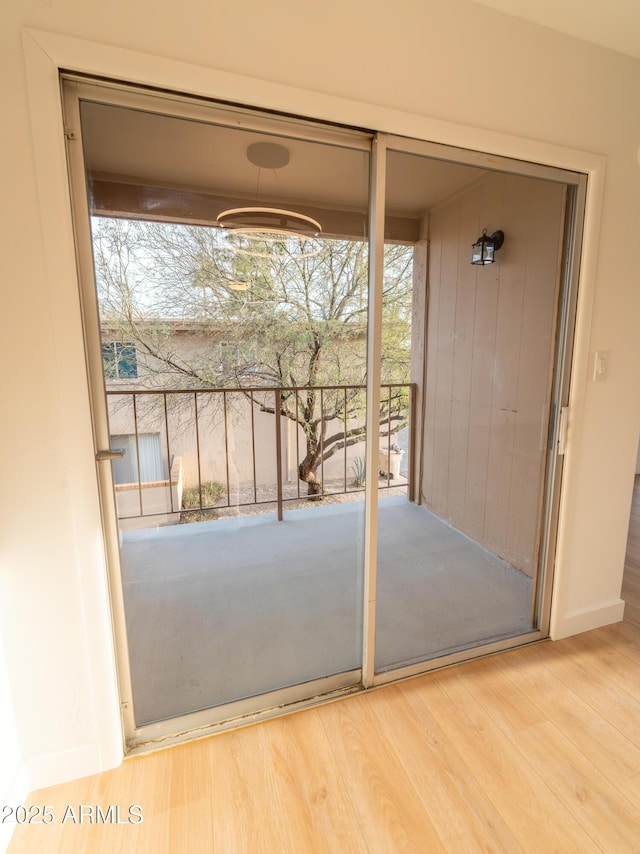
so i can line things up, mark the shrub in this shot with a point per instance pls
(358, 467)
(212, 491)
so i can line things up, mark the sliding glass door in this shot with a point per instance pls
(326, 441)
(461, 568)
(229, 282)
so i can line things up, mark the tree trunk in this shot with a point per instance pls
(307, 472)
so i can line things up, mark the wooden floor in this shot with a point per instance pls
(534, 750)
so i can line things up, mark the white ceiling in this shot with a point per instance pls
(611, 23)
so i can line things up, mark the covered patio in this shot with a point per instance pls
(272, 386)
(222, 610)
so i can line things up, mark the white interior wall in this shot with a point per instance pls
(452, 72)
(13, 783)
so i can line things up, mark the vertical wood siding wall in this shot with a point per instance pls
(490, 345)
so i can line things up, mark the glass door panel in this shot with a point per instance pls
(231, 271)
(458, 567)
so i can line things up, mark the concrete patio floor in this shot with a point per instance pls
(222, 610)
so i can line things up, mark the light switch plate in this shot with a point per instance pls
(601, 365)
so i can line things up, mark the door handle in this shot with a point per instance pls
(562, 430)
(101, 456)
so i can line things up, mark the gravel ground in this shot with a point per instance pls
(243, 501)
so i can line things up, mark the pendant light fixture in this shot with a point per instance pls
(268, 220)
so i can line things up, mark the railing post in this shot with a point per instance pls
(388, 435)
(137, 435)
(253, 451)
(197, 426)
(166, 430)
(411, 494)
(278, 403)
(226, 448)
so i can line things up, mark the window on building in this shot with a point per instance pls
(144, 456)
(119, 361)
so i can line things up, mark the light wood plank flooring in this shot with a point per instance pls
(534, 750)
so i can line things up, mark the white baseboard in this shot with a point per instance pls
(576, 622)
(63, 766)
(16, 795)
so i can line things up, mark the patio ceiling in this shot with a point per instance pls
(177, 169)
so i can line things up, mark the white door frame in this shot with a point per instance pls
(45, 55)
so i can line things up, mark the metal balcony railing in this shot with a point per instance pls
(186, 441)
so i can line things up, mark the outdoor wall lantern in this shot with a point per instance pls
(485, 246)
